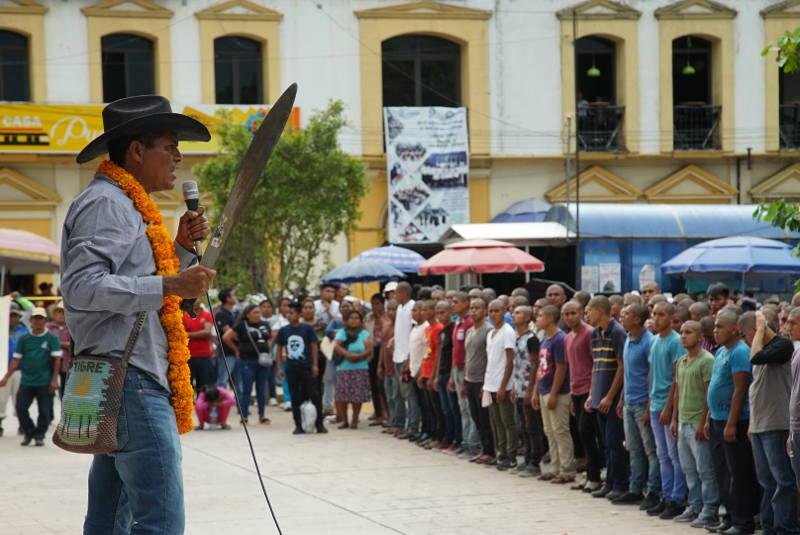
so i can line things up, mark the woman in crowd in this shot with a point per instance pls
(353, 349)
(248, 340)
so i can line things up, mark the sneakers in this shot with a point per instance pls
(530, 471)
(321, 429)
(628, 498)
(671, 510)
(704, 521)
(39, 441)
(615, 494)
(688, 515)
(273, 402)
(287, 406)
(657, 509)
(504, 464)
(521, 467)
(650, 500)
(26, 440)
(602, 492)
(591, 486)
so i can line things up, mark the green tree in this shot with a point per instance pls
(307, 196)
(782, 214)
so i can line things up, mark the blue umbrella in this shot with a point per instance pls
(362, 271)
(399, 258)
(524, 211)
(741, 254)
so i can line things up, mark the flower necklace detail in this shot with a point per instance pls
(167, 263)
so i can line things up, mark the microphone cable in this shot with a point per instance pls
(244, 423)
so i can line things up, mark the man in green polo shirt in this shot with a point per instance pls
(38, 357)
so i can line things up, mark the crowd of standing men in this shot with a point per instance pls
(687, 408)
(690, 408)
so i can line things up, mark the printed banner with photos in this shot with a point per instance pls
(427, 161)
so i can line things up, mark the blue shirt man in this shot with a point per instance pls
(636, 357)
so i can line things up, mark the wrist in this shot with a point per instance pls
(170, 284)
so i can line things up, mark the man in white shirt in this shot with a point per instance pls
(408, 417)
(500, 345)
(326, 308)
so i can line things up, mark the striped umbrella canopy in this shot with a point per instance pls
(400, 258)
(480, 256)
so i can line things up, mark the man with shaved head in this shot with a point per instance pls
(729, 412)
(648, 290)
(556, 295)
(608, 341)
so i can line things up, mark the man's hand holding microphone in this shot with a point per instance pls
(193, 228)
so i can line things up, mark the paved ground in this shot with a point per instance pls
(346, 482)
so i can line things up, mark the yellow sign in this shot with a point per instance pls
(66, 129)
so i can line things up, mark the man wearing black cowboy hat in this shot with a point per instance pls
(108, 278)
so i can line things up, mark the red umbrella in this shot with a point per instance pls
(480, 256)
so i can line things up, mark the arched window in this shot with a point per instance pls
(128, 67)
(238, 71)
(695, 115)
(599, 116)
(691, 70)
(14, 67)
(421, 70)
(596, 69)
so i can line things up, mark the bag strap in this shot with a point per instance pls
(250, 336)
(137, 328)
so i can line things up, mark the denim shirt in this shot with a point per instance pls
(108, 276)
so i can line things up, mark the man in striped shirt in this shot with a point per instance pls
(608, 341)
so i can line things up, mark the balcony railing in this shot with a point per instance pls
(600, 128)
(696, 127)
(790, 126)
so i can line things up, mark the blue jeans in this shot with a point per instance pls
(698, 467)
(452, 415)
(251, 372)
(397, 409)
(222, 372)
(775, 475)
(673, 484)
(410, 401)
(642, 450)
(469, 432)
(139, 488)
(613, 435)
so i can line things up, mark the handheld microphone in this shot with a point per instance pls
(191, 196)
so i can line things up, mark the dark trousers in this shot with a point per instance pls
(589, 438)
(450, 410)
(271, 390)
(480, 415)
(203, 372)
(376, 385)
(613, 433)
(533, 439)
(437, 415)
(738, 486)
(425, 409)
(303, 387)
(44, 400)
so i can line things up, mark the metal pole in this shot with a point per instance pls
(577, 153)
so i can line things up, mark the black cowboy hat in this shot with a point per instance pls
(136, 115)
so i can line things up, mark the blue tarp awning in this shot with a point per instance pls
(666, 221)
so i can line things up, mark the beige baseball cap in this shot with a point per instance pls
(39, 311)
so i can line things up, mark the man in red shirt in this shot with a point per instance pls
(201, 363)
(578, 347)
(427, 383)
(470, 442)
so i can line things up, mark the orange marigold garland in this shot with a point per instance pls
(167, 263)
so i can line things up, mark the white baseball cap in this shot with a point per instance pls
(39, 311)
(391, 286)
